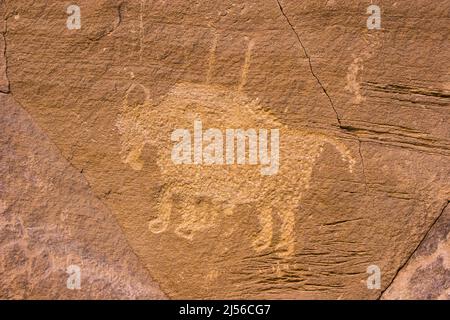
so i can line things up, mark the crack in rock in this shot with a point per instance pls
(325, 91)
(415, 249)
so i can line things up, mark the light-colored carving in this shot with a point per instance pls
(246, 66)
(356, 68)
(212, 192)
(212, 58)
(353, 85)
(141, 29)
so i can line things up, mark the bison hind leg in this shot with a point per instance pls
(264, 238)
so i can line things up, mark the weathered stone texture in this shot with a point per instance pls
(49, 220)
(427, 273)
(365, 143)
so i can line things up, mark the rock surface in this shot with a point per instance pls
(364, 166)
(427, 273)
(50, 220)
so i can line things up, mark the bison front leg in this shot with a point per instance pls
(161, 223)
(134, 158)
(264, 237)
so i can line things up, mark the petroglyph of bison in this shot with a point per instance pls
(210, 190)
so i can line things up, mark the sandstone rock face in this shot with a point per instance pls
(426, 275)
(50, 220)
(87, 160)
